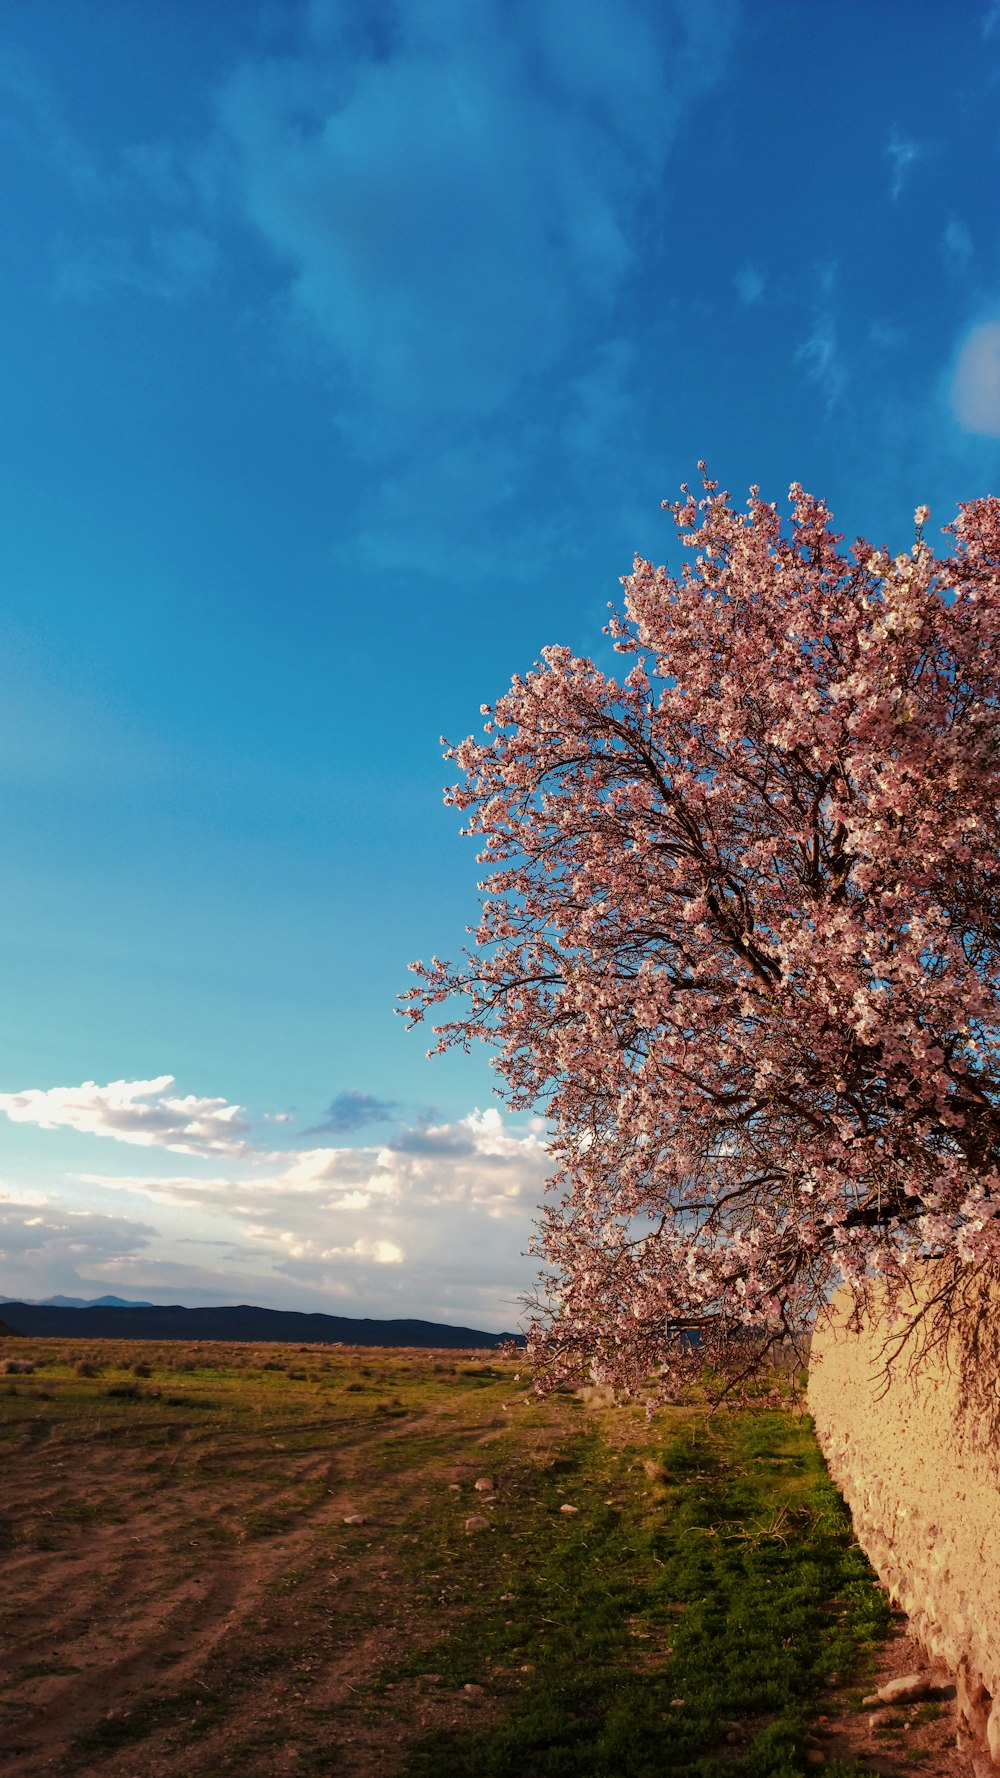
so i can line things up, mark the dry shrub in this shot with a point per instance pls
(84, 1367)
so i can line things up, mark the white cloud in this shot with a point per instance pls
(435, 1222)
(478, 1162)
(975, 386)
(440, 1219)
(380, 1252)
(136, 1111)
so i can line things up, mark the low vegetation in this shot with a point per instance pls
(241, 1560)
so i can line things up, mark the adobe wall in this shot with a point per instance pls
(916, 1454)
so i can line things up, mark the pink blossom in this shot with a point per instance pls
(740, 935)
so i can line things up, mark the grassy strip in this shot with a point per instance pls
(687, 1633)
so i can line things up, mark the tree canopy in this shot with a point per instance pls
(740, 930)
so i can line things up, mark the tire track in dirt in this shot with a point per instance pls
(149, 1618)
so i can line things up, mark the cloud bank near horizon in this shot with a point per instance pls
(435, 1221)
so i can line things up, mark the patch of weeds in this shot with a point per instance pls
(88, 1512)
(45, 1670)
(268, 1521)
(183, 1711)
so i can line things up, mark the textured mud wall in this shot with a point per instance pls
(916, 1453)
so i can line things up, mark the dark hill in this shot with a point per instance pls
(242, 1323)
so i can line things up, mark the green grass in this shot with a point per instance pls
(652, 1629)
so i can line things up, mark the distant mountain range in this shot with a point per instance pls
(77, 1302)
(110, 1319)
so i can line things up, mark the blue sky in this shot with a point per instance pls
(348, 351)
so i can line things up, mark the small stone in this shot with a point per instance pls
(473, 1691)
(476, 1522)
(484, 1485)
(879, 1718)
(568, 1510)
(454, 1488)
(677, 1703)
(872, 1698)
(355, 1519)
(734, 1737)
(907, 1689)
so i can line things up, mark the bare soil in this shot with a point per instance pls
(184, 1598)
(182, 1593)
(894, 1743)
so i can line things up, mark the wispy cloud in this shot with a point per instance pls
(956, 246)
(454, 204)
(32, 117)
(749, 285)
(353, 1110)
(902, 155)
(172, 264)
(819, 353)
(128, 230)
(456, 200)
(144, 1112)
(975, 384)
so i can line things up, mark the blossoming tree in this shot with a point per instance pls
(740, 933)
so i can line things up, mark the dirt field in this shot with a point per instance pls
(178, 1570)
(258, 1561)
